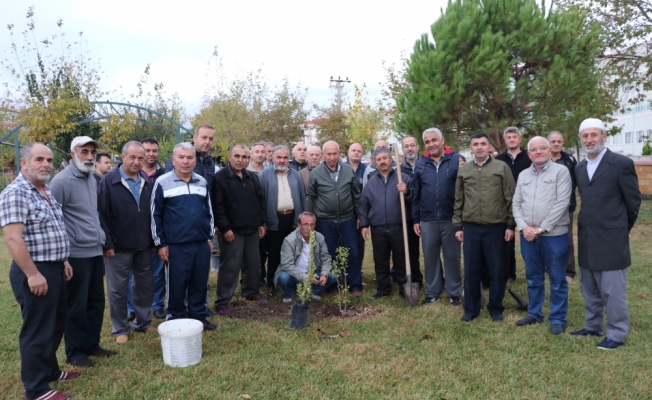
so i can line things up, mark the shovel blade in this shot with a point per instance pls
(411, 292)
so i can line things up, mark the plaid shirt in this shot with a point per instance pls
(45, 233)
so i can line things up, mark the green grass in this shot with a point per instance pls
(419, 353)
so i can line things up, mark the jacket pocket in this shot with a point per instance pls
(615, 225)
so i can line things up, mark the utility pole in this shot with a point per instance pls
(339, 85)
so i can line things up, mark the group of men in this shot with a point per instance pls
(127, 222)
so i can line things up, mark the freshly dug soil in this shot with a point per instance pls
(274, 308)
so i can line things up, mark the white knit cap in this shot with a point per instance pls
(592, 123)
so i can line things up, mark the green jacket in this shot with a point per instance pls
(483, 195)
(333, 201)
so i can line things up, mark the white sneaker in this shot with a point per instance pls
(315, 297)
(287, 300)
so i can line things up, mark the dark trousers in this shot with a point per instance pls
(188, 272)
(570, 265)
(361, 244)
(484, 243)
(388, 241)
(344, 234)
(238, 255)
(85, 306)
(275, 242)
(510, 259)
(413, 250)
(44, 320)
(262, 249)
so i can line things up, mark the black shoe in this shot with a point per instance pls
(160, 314)
(83, 362)
(609, 344)
(529, 320)
(207, 325)
(378, 296)
(468, 318)
(557, 329)
(584, 332)
(497, 317)
(429, 300)
(131, 316)
(455, 301)
(210, 313)
(511, 280)
(100, 352)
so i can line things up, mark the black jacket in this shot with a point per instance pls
(570, 163)
(238, 203)
(127, 225)
(297, 166)
(204, 167)
(522, 162)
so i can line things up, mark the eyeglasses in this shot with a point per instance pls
(535, 149)
(410, 145)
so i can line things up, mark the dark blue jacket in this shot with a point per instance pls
(434, 188)
(297, 166)
(127, 225)
(380, 204)
(359, 174)
(181, 212)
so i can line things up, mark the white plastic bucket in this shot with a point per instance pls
(181, 341)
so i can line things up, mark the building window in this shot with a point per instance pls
(629, 137)
(640, 137)
(618, 138)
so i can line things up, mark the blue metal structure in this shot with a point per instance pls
(102, 116)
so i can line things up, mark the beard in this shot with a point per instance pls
(82, 166)
(596, 149)
(281, 168)
(411, 157)
(34, 174)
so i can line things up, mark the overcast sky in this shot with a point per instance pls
(305, 41)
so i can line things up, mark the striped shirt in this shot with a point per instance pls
(45, 233)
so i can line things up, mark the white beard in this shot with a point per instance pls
(82, 166)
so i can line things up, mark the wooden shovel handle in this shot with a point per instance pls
(408, 268)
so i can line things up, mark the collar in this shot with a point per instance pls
(177, 178)
(543, 167)
(487, 161)
(124, 175)
(337, 169)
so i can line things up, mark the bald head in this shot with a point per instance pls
(355, 154)
(331, 154)
(381, 143)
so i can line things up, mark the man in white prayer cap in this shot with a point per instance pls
(611, 198)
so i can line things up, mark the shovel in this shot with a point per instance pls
(411, 289)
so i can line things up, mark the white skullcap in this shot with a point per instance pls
(592, 123)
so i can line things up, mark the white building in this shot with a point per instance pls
(636, 127)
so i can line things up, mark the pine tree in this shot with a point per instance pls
(499, 63)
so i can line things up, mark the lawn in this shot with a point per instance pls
(398, 352)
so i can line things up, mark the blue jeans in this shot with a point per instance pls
(344, 234)
(158, 269)
(547, 253)
(289, 285)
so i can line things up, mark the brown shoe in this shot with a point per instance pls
(51, 395)
(121, 339)
(357, 293)
(150, 329)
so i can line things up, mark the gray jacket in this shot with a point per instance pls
(77, 194)
(541, 199)
(291, 251)
(269, 184)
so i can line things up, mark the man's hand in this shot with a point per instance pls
(210, 245)
(509, 234)
(37, 284)
(322, 280)
(459, 235)
(462, 162)
(402, 187)
(164, 253)
(530, 233)
(365, 233)
(262, 230)
(67, 270)
(110, 253)
(229, 236)
(417, 229)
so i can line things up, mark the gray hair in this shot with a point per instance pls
(306, 214)
(267, 144)
(238, 146)
(382, 150)
(431, 130)
(26, 151)
(258, 144)
(314, 147)
(280, 147)
(330, 141)
(131, 143)
(183, 146)
(555, 133)
(536, 138)
(512, 129)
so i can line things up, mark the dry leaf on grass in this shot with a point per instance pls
(246, 396)
(322, 331)
(429, 336)
(642, 295)
(345, 333)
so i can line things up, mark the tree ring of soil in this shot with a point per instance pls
(274, 309)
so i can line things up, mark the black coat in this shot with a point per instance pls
(517, 165)
(608, 211)
(127, 225)
(570, 163)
